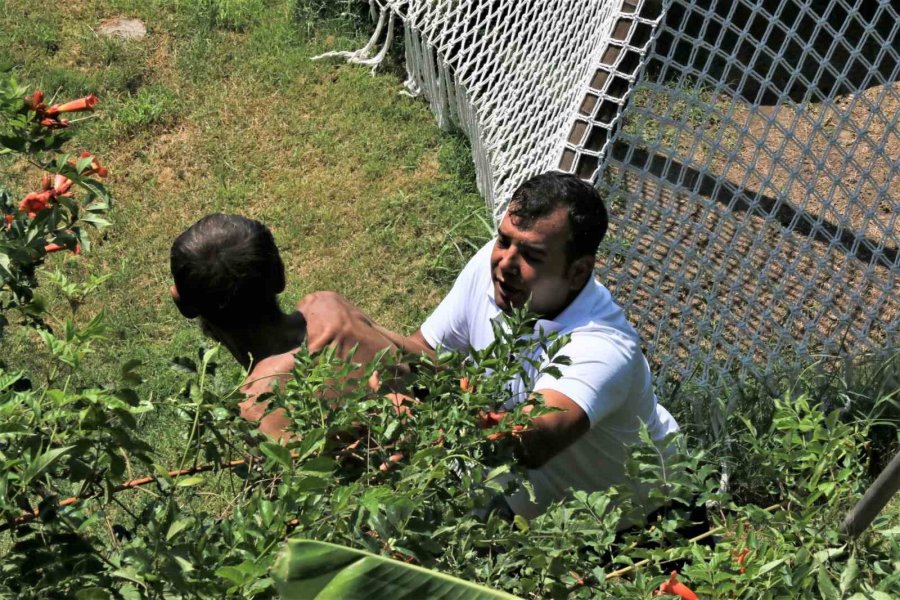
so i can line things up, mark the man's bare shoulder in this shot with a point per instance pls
(332, 320)
(268, 372)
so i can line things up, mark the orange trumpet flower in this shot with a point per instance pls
(54, 247)
(673, 587)
(61, 185)
(36, 202)
(86, 103)
(740, 559)
(53, 123)
(36, 101)
(95, 169)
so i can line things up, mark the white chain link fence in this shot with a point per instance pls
(749, 151)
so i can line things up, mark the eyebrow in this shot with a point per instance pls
(538, 249)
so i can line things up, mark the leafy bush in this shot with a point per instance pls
(54, 217)
(414, 487)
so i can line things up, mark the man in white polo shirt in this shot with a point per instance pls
(544, 255)
(545, 249)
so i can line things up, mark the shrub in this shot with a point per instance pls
(67, 198)
(414, 487)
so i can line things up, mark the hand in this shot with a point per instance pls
(332, 320)
(492, 419)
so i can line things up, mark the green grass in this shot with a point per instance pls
(220, 109)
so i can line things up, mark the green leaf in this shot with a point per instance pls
(827, 554)
(277, 453)
(497, 472)
(177, 527)
(521, 523)
(42, 463)
(769, 566)
(185, 565)
(232, 574)
(92, 593)
(308, 569)
(848, 575)
(83, 163)
(188, 481)
(826, 587)
(95, 220)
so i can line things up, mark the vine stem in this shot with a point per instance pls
(134, 483)
(196, 425)
(702, 536)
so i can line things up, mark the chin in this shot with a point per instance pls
(502, 305)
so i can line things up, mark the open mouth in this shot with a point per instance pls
(508, 292)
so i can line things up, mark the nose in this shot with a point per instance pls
(509, 260)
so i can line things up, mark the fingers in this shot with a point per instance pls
(490, 419)
(391, 462)
(374, 382)
(402, 403)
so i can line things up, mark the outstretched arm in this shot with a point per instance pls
(414, 344)
(334, 320)
(549, 434)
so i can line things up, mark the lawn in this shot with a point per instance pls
(219, 108)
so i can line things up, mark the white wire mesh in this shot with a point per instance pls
(510, 74)
(756, 178)
(749, 150)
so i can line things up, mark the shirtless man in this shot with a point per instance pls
(228, 274)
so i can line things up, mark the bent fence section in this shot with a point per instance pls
(749, 151)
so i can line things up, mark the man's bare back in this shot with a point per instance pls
(330, 321)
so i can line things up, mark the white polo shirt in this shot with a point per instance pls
(608, 378)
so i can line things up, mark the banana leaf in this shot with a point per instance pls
(313, 570)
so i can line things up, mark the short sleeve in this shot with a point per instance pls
(599, 378)
(448, 325)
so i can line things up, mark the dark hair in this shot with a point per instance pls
(227, 268)
(542, 194)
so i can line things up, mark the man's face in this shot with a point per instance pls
(529, 259)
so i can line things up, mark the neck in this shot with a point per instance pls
(267, 336)
(569, 300)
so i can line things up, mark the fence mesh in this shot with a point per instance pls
(748, 151)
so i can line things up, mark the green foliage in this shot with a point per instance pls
(48, 220)
(415, 486)
(308, 569)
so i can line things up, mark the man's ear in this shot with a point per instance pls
(185, 309)
(579, 271)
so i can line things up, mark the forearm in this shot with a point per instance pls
(546, 435)
(414, 344)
